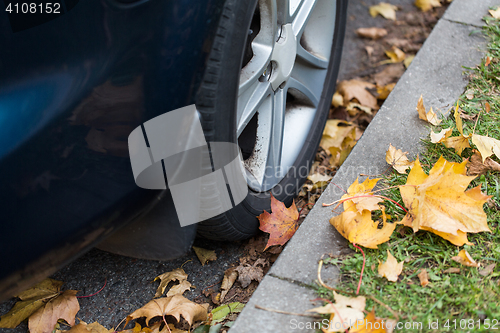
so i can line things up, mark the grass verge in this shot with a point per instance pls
(467, 301)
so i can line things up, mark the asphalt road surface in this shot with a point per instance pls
(129, 281)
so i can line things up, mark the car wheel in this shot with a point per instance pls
(268, 85)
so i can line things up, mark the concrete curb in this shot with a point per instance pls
(437, 74)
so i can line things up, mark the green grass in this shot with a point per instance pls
(467, 300)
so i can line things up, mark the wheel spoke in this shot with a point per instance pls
(311, 59)
(283, 12)
(301, 16)
(304, 90)
(249, 102)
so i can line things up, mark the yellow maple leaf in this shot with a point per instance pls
(465, 259)
(395, 55)
(355, 222)
(487, 146)
(459, 143)
(386, 10)
(371, 324)
(439, 202)
(495, 13)
(390, 269)
(441, 136)
(430, 116)
(335, 132)
(425, 5)
(397, 159)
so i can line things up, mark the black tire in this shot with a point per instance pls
(216, 102)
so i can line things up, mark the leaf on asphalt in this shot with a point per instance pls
(390, 269)
(395, 55)
(441, 136)
(204, 255)
(65, 306)
(177, 274)
(487, 270)
(426, 5)
(439, 202)
(345, 310)
(370, 323)
(95, 327)
(317, 177)
(430, 116)
(357, 89)
(248, 272)
(487, 146)
(398, 160)
(281, 224)
(384, 91)
(371, 33)
(495, 13)
(386, 10)
(337, 99)
(408, 60)
(390, 74)
(476, 166)
(230, 276)
(335, 132)
(353, 109)
(465, 259)
(355, 222)
(220, 313)
(31, 300)
(174, 306)
(180, 288)
(459, 143)
(423, 276)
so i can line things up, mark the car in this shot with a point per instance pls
(73, 87)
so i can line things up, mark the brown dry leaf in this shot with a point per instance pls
(369, 50)
(344, 310)
(495, 13)
(339, 154)
(487, 270)
(317, 177)
(230, 276)
(334, 133)
(395, 55)
(452, 270)
(281, 224)
(408, 60)
(391, 73)
(487, 107)
(358, 89)
(371, 33)
(370, 324)
(487, 146)
(465, 116)
(353, 109)
(180, 288)
(487, 63)
(384, 91)
(430, 116)
(390, 269)
(425, 5)
(171, 306)
(95, 327)
(337, 100)
(476, 167)
(177, 274)
(459, 143)
(441, 136)
(398, 160)
(64, 306)
(31, 300)
(386, 10)
(465, 259)
(247, 272)
(204, 255)
(439, 203)
(423, 277)
(355, 222)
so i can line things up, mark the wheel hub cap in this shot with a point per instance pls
(283, 56)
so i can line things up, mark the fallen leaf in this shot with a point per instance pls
(390, 269)
(487, 63)
(335, 132)
(369, 50)
(317, 177)
(281, 224)
(345, 310)
(358, 302)
(220, 313)
(395, 55)
(337, 100)
(352, 106)
(371, 33)
(487, 146)
(386, 10)
(171, 306)
(452, 270)
(230, 276)
(358, 89)
(204, 255)
(391, 73)
(487, 270)
(177, 274)
(439, 203)
(65, 306)
(441, 136)
(425, 5)
(370, 324)
(476, 167)
(384, 91)
(247, 272)
(495, 13)
(464, 115)
(465, 259)
(355, 222)
(32, 299)
(95, 327)
(459, 143)
(423, 277)
(398, 160)
(430, 116)
(487, 107)
(179, 289)
(408, 60)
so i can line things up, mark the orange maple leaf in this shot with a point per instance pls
(281, 224)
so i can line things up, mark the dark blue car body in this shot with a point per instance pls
(71, 90)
